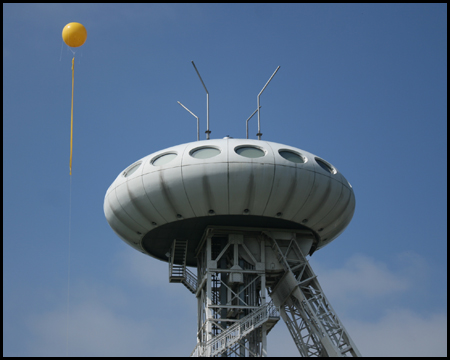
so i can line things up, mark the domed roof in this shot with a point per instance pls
(177, 192)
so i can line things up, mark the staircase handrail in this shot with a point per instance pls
(190, 279)
(235, 332)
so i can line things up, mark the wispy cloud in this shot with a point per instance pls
(138, 314)
(94, 330)
(361, 275)
(141, 314)
(401, 333)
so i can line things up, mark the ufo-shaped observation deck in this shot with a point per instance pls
(177, 192)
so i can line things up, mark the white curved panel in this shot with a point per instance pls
(339, 224)
(122, 214)
(207, 188)
(326, 202)
(116, 221)
(291, 188)
(129, 206)
(320, 191)
(250, 185)
(165, 190)
(143, 204)
(334, 212)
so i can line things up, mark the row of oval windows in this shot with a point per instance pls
(252, 152)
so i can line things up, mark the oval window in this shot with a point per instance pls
(250, 152)
(326, 166)
(292, 156)
(131, 169)
(204, 152)
(164, 159)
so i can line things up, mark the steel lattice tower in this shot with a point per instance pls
(246, 213)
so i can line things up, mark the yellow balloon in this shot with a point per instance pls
(74, 34)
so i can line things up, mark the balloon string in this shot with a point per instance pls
(68, 266)
(71, 117)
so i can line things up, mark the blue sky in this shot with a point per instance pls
(362, 86)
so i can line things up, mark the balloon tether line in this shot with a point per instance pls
(68, 266)
(71, 116)
(70, 208)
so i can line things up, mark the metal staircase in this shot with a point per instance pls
(312, 322)
(178, 273)
(267, 313)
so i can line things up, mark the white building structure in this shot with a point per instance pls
(245, 213)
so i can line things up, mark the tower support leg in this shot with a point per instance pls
(312, 322)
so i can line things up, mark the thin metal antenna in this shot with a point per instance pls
(198, 125)
(207, 103)
(246, 123)
(259, 123)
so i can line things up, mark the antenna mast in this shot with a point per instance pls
(198, 126)
(267, 83)
(207, 103)
(246, 122)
